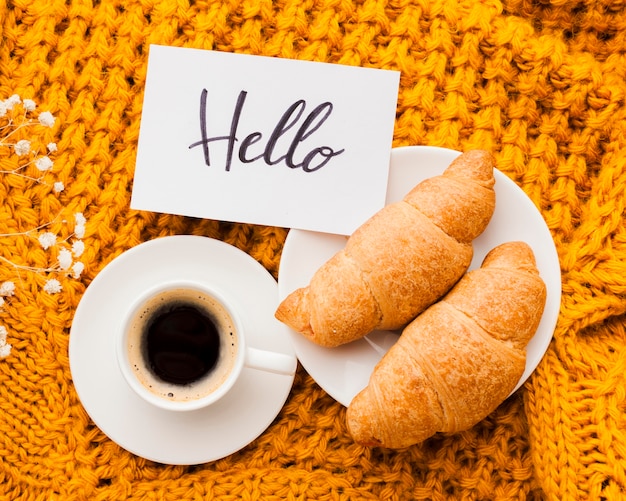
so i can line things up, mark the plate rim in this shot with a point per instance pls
(136, 411)
(553, 301)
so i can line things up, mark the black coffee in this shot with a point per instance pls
(182, 344)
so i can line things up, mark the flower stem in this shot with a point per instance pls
(27, 268)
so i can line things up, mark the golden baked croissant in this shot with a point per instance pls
(457, 361)
(401, 260)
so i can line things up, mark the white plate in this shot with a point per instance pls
(345, 370)
(191, 437)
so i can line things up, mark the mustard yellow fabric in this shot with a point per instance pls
(539, 83)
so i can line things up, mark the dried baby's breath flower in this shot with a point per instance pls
(52, 286)
(12, 101)
(47, 239)
(65, 259)
(58, 187)
(29, 105)
(44, 164)
(52, 147)
(7, 288)
(78, 247)
(79, 229)
(22, 147)
(5, 348)
(46, 119)
(77, 269)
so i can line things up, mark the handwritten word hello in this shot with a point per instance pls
(311, 161)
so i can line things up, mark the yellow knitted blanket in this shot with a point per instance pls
(540, 83)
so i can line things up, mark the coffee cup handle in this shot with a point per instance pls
(271, 361)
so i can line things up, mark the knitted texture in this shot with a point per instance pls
(540, 83)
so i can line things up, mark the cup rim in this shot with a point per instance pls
(133, 381)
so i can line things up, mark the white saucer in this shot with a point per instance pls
(191, 437)
(345, 370)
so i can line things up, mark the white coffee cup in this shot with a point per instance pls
(182, 346)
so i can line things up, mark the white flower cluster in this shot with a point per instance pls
(67, 255)
(32, 161)
(6, 289)
(23, 148)
(5, 348)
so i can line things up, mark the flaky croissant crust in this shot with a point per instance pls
(457, 361)
(401, 260)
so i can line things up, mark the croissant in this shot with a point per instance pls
(401, 260)
(457, 361)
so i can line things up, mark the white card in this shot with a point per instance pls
(263, 140)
